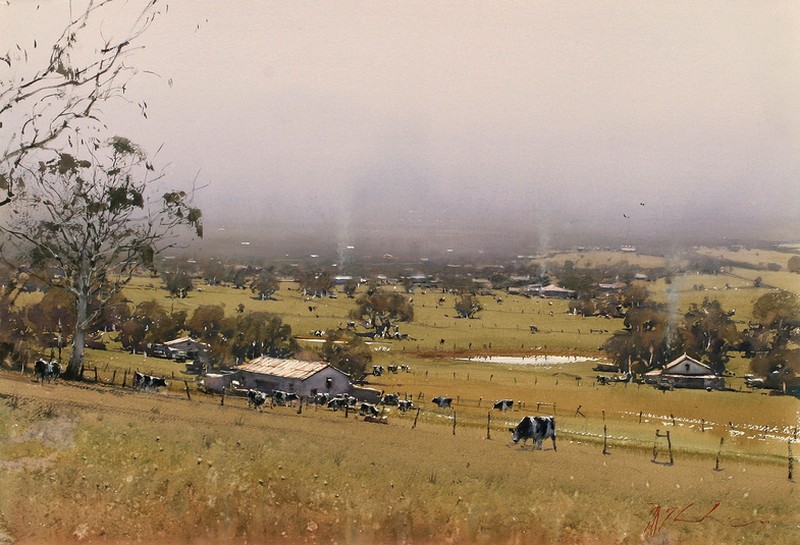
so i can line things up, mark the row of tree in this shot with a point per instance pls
(654, 334)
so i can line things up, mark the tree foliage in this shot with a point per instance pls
(150, 323)
(178, 282)
(654, 336)
(93, 219)
(254, 334)
(353, 357)
(52, 92)
(467, 305)
(381, 309)
(316, 283)
(707, 331)
(265, 284)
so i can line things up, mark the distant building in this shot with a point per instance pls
(556, 292)
(612, 287)
(686, 372)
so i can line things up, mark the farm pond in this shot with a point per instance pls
(534, 359)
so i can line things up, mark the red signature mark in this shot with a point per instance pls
(661, 516)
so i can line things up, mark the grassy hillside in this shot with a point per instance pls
(98, 463)
(101, 464)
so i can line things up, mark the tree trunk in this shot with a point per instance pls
(79, 341)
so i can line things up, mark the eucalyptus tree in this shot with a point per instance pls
(467, 305)
(52, 87)
(265, 284)
(95, 218)
(381, 309)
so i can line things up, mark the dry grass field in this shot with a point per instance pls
(96, 462)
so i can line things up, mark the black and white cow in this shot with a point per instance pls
(256, 399)
(368, 409)
(503, 405)
(390, 399)
(537, 428)
(341, 401)
(378, 370)
(43, 369)
(337, 403)
(405, 405)
(146, 382)
(443, 402)
(322, 398)
(284, 398)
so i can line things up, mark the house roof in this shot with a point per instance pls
(674, 368)
(686, 359)
(179, 341)
(277, 367)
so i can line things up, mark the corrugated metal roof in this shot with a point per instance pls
(179, 341)
(295, 369)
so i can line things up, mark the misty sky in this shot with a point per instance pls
(537, 115)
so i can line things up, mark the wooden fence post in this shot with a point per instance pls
(114, 376)
(791, 461)
(488, 425)
(669, 446)
(186, 387)
(605, 440)
(222, 399)
(719, 453)
(96, 379)
(124, 378)
(454, 422)
(415, 419)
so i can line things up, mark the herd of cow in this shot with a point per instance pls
(536, 428)
(46, 370)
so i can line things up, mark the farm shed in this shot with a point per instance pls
(687, 372)
(305, 378)
(193, 348)
(557, 292)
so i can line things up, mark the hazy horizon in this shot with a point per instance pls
(530, 123)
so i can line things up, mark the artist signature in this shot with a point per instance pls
(662, 516)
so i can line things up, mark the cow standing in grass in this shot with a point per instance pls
(537, 428)
(256, 399)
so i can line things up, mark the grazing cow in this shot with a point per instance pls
(337, 403)
(157, 382)
(377, 370)
(393, 369)
(147, 382)
(256, 399)
(368, 409)
(503, 405)
(537, 428)
(405, 405)
(284, 398)
(404, 367)
(322, 399)
(443, 402)
(390, 399)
